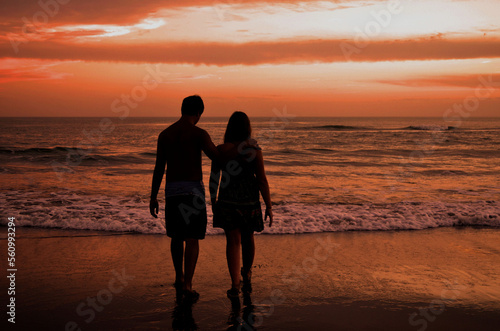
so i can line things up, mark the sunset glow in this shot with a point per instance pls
(318, 58)
(344, 174)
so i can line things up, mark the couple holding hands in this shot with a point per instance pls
(236, 180)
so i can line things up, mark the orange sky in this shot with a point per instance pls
(317, 58)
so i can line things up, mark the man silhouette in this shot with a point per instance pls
(179, 149)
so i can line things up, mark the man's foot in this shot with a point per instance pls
(178, 285)
(247, 281)
(191, 296)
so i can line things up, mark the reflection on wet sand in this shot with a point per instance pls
(182, 315)
(241, 319)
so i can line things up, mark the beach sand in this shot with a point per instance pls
(436, 279)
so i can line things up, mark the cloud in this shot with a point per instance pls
(469, 81)
(178, 79)
(13, 70)
(81, 11)
(109, 11)
(103, 30)
(253, 53)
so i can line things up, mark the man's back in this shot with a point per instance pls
(182, 143)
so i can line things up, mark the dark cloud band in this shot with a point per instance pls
(254, 53)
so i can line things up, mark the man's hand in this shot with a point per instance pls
(269, 213)
(153, 207)
(250, 142)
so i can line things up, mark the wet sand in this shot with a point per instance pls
(433, 279)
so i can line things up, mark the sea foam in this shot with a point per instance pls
(72, 210)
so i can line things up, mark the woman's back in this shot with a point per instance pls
(238, 182)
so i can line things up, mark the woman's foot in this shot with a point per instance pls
(233, 293)
(247, 281)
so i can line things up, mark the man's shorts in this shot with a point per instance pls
(185, 216)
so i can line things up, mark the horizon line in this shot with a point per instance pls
(294, 116)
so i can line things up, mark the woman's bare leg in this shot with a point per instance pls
(233, 244)
(248, 250)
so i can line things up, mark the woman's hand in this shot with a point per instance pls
(269, 213)
(215, 208)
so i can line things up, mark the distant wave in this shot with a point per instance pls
(430, 127)
(75, 155)
(35, 150)
(152, 154)
(321, 150)
(337, 127)
(361, 128)
(444, 172)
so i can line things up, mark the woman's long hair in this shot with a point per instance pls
(238, 128)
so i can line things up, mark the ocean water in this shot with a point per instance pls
(325, 174)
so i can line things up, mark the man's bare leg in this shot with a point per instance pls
(177, 251)
(190, 259)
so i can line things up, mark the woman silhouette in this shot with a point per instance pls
(237, 208)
